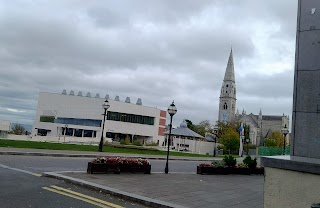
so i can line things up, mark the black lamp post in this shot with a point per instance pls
(284, 131)
(247, 141)
(105, 106)
(215, 135)
(171, 110)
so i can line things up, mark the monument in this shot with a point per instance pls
(294, 181)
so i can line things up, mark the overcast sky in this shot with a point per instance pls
(158, 51)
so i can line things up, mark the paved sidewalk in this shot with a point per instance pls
(178, 189)
(69, 153)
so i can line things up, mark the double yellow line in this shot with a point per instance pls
(82, 197)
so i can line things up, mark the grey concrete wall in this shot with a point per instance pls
(290, 189)
(306, 98)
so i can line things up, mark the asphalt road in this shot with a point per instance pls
(47, 164)
(22, 186)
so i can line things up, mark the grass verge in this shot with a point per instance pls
(77, 147)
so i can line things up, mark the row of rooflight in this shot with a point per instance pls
(139, 101)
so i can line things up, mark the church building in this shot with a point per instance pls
(261, 126)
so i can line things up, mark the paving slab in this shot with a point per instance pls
(182, 189)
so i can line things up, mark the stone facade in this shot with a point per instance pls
(306, 95)
(227, 104)
(261, 126)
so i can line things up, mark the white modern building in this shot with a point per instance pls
(76, 118)
(4, 128)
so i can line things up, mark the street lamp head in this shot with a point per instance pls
(215, 130)
(106, 105)
(172, 109)
(285, 130)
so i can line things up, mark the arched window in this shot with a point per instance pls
(225, 106)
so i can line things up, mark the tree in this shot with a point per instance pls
(18, 129)
(223, 128)
(274, 140)
(230, 140)
(190, 125)
(202, 128)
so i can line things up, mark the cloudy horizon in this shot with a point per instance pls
(158, 51)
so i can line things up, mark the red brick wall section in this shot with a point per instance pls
(162, 122)
(163, 114)
(161, 131)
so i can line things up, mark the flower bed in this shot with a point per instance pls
(117, 165)
(229, 166)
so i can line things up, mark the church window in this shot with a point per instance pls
(225, 106)
(227, 86)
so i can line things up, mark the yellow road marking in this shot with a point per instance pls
(87, 197)
(75, 197)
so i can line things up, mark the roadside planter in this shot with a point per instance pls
(118, 165)
(229, 166)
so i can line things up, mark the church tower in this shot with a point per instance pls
(227, 104)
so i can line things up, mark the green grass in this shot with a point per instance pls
(77, 147)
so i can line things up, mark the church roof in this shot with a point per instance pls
(255, 118)
(229, 74)
(272, 118)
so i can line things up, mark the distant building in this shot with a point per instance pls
(79, 119)
(4, 128)
(227, 104)
(261, 126)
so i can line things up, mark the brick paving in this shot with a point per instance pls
(189, 190)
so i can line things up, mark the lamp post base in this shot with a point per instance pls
(166, 170)
(100, 146)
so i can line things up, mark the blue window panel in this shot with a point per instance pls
(78, 121)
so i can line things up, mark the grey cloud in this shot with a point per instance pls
(156, 50)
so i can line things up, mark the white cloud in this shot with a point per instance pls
(159, 51)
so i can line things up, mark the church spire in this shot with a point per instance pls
(229, 74)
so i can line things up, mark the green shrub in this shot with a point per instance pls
(218, 164)
(242, 165)
(152, 144)
(251, 163)
(137, 143)
(229, 160)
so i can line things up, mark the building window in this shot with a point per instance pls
(87, 133)
(130, 118)
(78, 132)
(42, 132)
(227, 85)
(48, 119)
(69, 132)
(225, 106)
(78, 121)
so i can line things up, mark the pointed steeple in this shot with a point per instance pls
(229, 74)
(260, 115)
